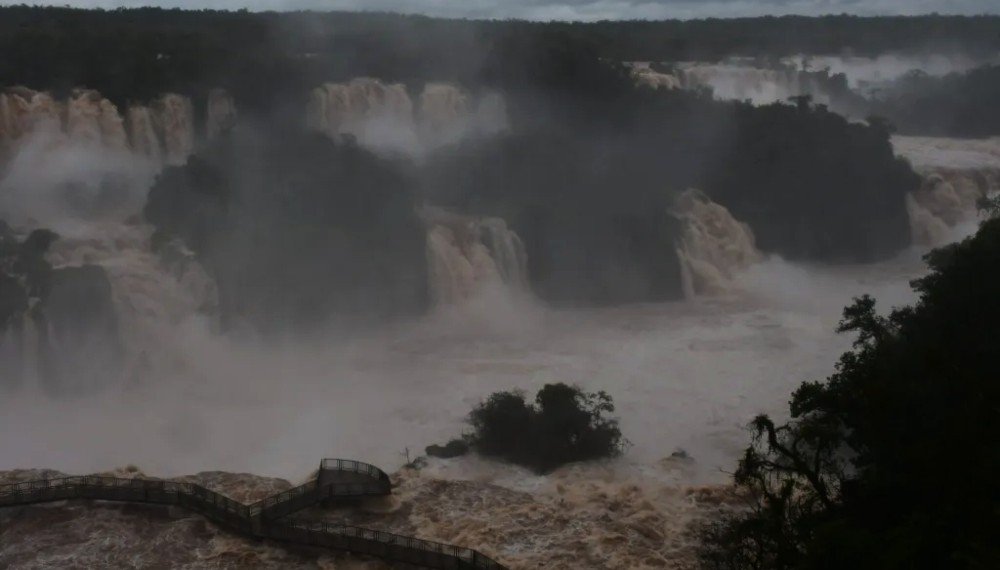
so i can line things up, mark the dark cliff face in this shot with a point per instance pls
(80, 347)
(594, 233)
(297, 230)
(78, 344)
(814, 186)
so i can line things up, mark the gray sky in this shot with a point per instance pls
(580, 9)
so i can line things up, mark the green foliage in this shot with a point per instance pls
(890, 463)
(563, 425)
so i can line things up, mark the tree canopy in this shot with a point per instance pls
(892, 462)
(563, 425)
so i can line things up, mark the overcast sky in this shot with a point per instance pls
(578, 9)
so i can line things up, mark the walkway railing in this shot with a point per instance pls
(337, 479)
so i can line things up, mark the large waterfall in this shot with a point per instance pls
(714, 246)
(79, 168)
(946, 200)
(23, 112)
(142, 133)
(92, 119)
(383, 116)
(467, 256)
(221, 114)
(76, 347)
(162, 131)
(956, 173)
(378, 114)
(174, 118)
(735, 80)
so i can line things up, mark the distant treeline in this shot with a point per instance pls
(265, 57)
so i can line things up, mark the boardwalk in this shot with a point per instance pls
(268, 518)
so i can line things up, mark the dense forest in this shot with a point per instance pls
(269, 58)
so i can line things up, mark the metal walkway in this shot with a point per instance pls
(267, 519)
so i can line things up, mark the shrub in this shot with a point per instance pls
(563, 425)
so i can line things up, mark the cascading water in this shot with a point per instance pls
(111, 297)
(443, 113)
(379, 115)
(383, 117)
(957, 174)
(153, 292)
(174, 119)
(221, 114)
(714, 246)
(150, 295)
(645, 75)
(164, 131)
(142, 133)
(507, 251)
(761, 86)
(467, 256)
(447, 114)
(24, 113)
(947, 199)
(92, 119)
(733, 80)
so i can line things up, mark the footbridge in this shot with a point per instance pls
(337, 479)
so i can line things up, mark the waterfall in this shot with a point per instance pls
(142, 134)
(221, 114)
(733, 79)
(713, 247)
(379, 115)
(443, 113)
(83, 117)
(162, 131)
(643, 74)
(468, 255)
(442, 105)
(946, 200)
(174, 119)
(507, 251)
(150, 294)
(447, 114)
(24, 112)
(383, 117)
(742, 82)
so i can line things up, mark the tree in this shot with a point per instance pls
(890, 463)
(564, 425)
